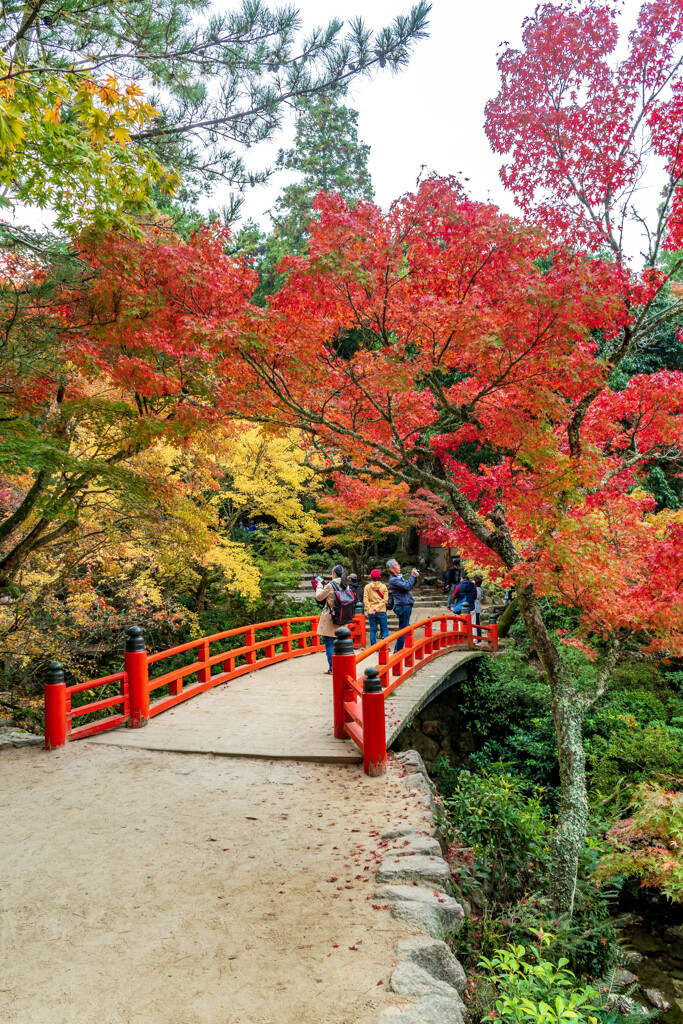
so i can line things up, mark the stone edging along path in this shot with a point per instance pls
(414, 878)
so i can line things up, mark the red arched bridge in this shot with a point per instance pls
(279, 714)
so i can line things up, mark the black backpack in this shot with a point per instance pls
(344, 607)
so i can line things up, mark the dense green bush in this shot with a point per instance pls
(635, 752)
(500, 862)
(633, 732)
(525, 988)
(503, 823)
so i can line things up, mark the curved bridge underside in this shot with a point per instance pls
(421, 689)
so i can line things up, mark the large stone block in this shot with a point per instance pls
(436, 729)
(418, 915)
(412, 760)
(429, 871)
(449, 910)
(406, 846)
(427, 1010)
(409, 979)
(394, 831)
(434, 957)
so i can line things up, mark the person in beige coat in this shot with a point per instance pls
(326, 627)
(375, 597)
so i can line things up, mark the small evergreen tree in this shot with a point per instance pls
(330, 158)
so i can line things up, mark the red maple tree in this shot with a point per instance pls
(450, 348)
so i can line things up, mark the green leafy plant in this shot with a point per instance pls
(635, 751)
(532, 990)
(503, 822)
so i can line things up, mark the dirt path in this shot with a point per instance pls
(147, 887)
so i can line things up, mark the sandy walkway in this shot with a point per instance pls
(146, 887)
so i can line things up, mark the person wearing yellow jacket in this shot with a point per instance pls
(375, 597)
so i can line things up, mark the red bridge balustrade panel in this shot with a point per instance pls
(359, 710)
(139, 692)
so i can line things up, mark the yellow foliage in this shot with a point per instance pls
(138, 547)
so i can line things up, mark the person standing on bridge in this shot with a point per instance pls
(356, 588)
(403, 599)
(451, 579)
(466, 592)
(375, 597)
(324, 595)
(476, 614)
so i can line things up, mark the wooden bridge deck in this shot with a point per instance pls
(279, 713)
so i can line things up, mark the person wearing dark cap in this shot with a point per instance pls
(324, 595)
(356, 587)
(375, 597)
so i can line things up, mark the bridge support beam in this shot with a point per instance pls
(55, 707)
(358, 628)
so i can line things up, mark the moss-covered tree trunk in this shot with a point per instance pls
(572, 822)
(508, 618)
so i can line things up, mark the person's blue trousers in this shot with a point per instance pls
(403, 612)
(329, 647)
(376, 619)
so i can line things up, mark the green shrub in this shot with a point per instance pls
(508, 702)
(503, 822)
(634, 752)
(529, 989)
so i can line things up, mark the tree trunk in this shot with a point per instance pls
(508, 618)
(407, 540)
(200, 593)
(12, 562)
(570, 835)
(9, 525)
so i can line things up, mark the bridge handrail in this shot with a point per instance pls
(133, 705)
(364, 722)
(191, 644)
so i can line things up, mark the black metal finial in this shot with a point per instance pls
(135, 642)
(371, 681)
(343, 643)
(55, 674)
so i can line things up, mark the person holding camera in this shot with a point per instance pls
(400, 589)
(324, 595)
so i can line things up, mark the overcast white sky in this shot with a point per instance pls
(431, 113)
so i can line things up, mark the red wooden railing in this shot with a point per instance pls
(359, 709)
(135, 704)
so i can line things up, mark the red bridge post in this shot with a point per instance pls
(374, 728)
(135, 662)
(358, 627)
(55, 707)
(343, 665)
